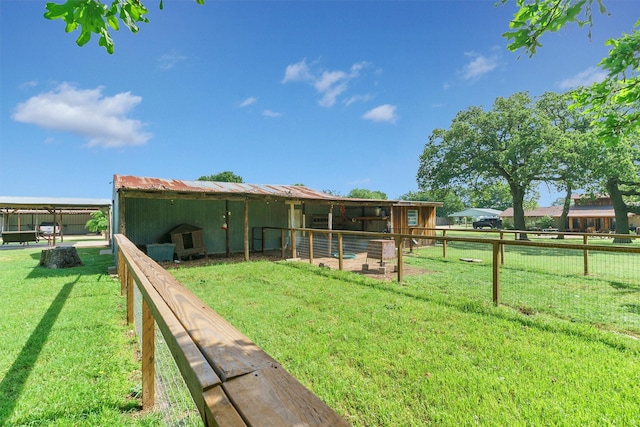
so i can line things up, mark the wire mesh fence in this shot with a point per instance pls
(173, 401)
(596, 284)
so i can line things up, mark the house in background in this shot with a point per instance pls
(233, 215)
(584, 214)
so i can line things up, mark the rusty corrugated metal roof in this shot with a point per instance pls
(127, 182)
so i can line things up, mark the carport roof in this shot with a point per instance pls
(51, 203)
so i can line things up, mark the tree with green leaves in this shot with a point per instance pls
(507, 145)
(98, 222)
(363, 193)
(226, 176)
(573, 150)
(617, 171)
(613, 104)
(95, 17)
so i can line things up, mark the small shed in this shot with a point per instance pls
(188, 240)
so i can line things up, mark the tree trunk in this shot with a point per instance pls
(518, 210)
(620, 209)
(565, 212)
(61, 257)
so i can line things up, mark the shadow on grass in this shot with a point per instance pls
(16, 377)
(484, 308)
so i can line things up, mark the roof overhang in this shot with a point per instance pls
(14, 204)
(159, 188)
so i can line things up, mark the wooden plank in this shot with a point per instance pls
(148, 358)
(219, 411)
(272, 397)
(262, 389)
(195, 369)
(229, 352)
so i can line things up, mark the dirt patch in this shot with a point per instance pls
(386, 272)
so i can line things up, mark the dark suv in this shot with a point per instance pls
(488, 222)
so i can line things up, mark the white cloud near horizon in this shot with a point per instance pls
(101, 120)
(384, 113)
(329, 84)
(478, 66)
(584, 78)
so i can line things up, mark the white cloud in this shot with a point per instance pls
(273, 114)
(382, 113)
(297, 72)
(478, 66)
(248, 101)
(356, 98)
(170, 60)
(585, 78)
(329, 84)
(100, 119)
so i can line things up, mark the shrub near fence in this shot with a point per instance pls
(231, 380)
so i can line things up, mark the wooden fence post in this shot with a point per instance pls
(496, 272)
(444, 244)
(122, 273)
(310, 247)
(399, 257)
(585, 240)
(501, 248)
(130, 285)
(340, 252)
(148, 357)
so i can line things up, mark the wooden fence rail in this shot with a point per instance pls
(231, 380)
(498, 243)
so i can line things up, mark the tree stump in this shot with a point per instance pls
(61, 257)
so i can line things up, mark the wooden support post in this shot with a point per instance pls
(310, 247)
(130, 285)
(411, 240)
(148, 357)
(496, 272)
(399, 258)
(282, 242)
(294, 252)
(340, 253)
(585, 240)
(227, 235)
(246, 230)
(444, 244)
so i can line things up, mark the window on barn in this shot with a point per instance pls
(412, 217)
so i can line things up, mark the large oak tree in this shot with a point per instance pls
(511, 143)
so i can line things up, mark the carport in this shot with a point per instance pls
(51, 207)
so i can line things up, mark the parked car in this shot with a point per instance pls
(488, 222)
(47, 228)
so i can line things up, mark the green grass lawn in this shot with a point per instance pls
(421, 353)
(66, 356)
(541, 280)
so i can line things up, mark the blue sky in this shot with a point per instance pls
(335, 95)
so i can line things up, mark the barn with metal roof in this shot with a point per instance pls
(232, 215)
